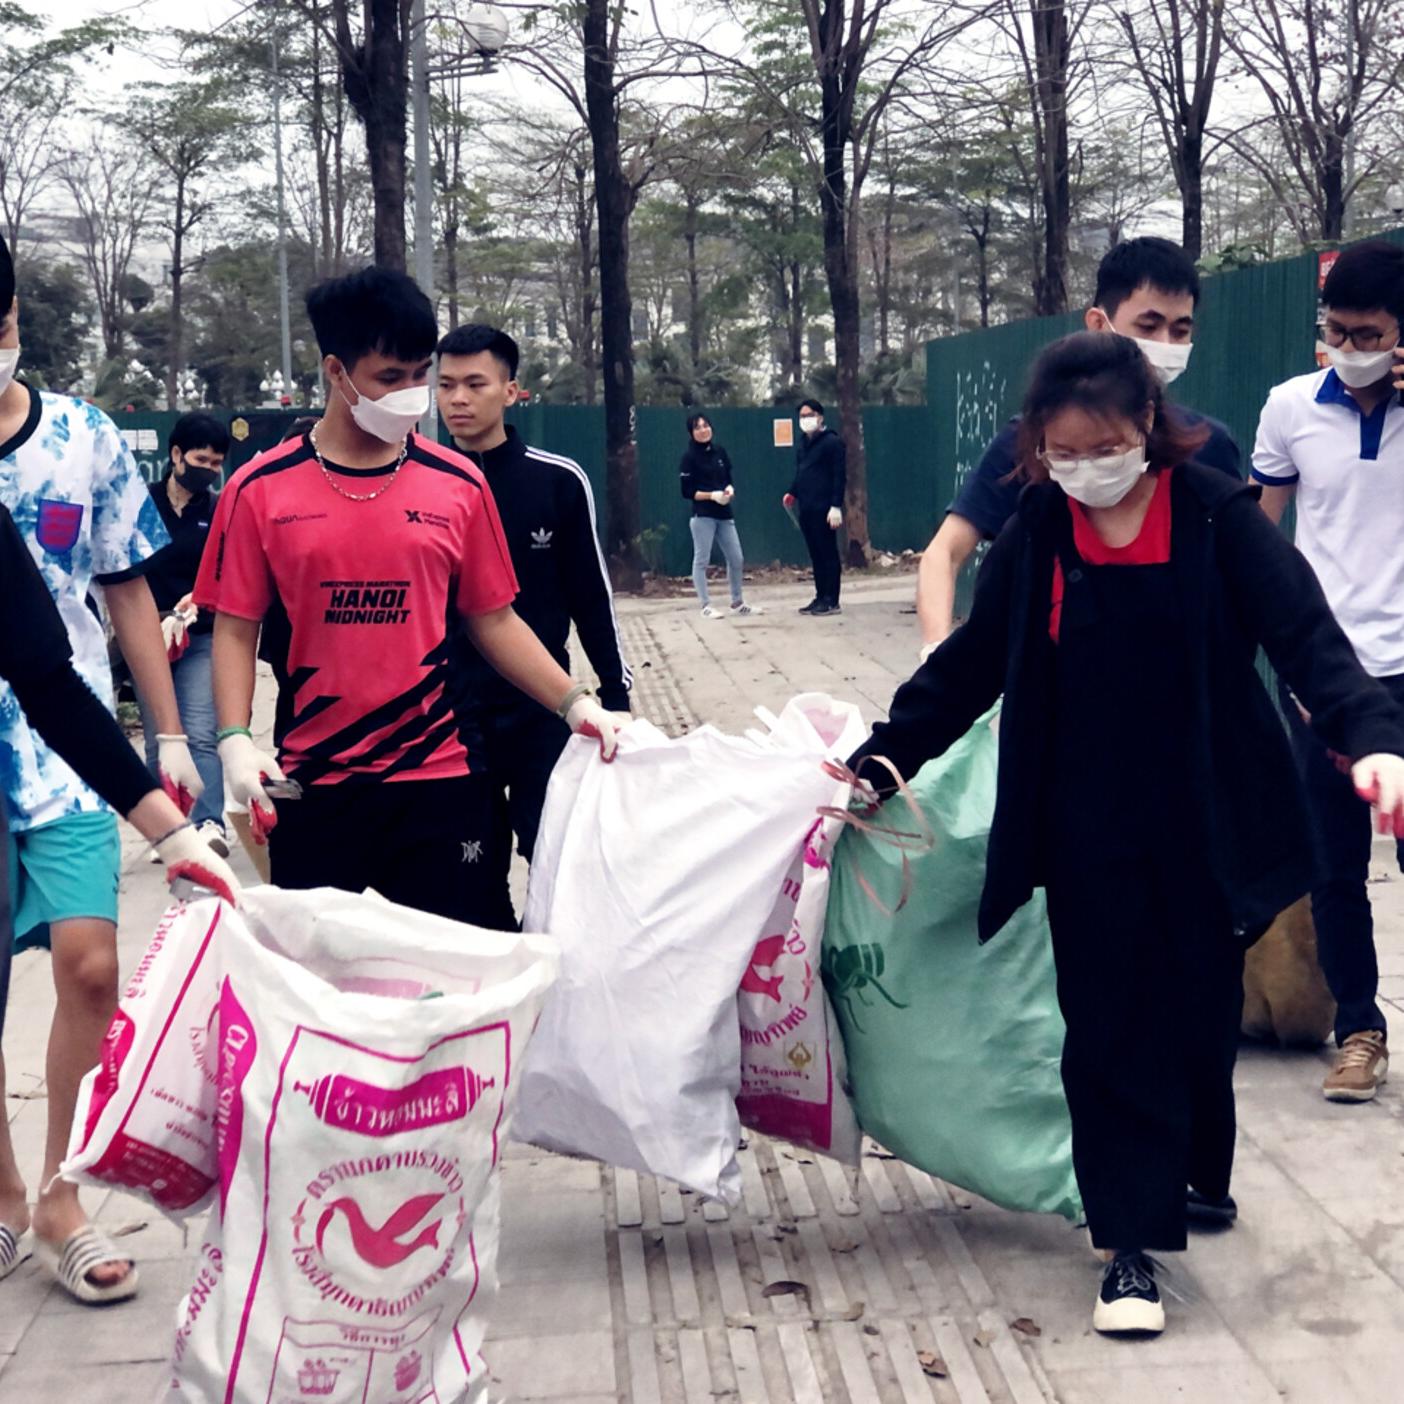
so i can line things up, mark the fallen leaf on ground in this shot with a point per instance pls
(786, 1288)
(853, 1312)
(932, 1364)
(983, 1338)
(123, 1230)
(1026, 1327)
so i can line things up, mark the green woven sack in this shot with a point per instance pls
(953, 1047)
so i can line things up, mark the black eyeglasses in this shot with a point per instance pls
(1362, 338)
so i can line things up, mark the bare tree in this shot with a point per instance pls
(1176, 47)
(30, 152)
(1331, 72)
(188, 135)
(113, 191)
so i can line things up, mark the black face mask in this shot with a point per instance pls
(196, 480)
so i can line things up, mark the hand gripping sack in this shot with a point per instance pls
(953, 1048)
(367, 1057)
(145, 1119)
(792, 1063)
(656, 873)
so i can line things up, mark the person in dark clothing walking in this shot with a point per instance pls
(816, 494)
(707, 480)
(1145, 779)
(548, 519)
(185, 498)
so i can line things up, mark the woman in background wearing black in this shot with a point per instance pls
(706, 478)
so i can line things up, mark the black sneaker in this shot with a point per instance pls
(824, 607)
(811, 607)
(1209, 1213)
(1129, 1302)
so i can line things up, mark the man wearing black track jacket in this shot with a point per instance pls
(548, 516)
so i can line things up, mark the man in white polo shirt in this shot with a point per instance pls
(1335, 440)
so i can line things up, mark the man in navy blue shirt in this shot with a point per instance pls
(1147, 289)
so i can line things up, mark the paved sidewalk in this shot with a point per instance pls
(616, 1288)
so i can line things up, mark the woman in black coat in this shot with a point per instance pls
(1145, 779)
(706, 478)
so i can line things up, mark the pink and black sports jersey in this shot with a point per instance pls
(369, 591)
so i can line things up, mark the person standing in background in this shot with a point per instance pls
(707, 481)
(185, 498)
(548, 518)
(816, 494)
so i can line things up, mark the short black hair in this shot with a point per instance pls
(198, 431)
(1143, 262)
(7, 279)
(698, 417)
(377, 309)
(1366, 276)
(813, 405)
(473, 338)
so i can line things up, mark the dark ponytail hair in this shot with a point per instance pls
(1105, 374)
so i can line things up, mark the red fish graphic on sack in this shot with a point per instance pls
(766, 953)
(383, 1247)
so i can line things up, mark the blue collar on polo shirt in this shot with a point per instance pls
(1333, 391)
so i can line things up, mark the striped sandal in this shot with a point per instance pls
(81, 1252)
(14, 1249)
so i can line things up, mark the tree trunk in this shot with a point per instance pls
(982, 270)
(1051, 51)
(375, 75)
(612, 201)
(175, 337)
(694, 283)
(1192, 194)
(841, 272)
(1332, 167)
(584, 235)
(451, 272)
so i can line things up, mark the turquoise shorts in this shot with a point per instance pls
(63, 870)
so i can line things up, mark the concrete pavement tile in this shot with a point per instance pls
(1346, 1377)
(128, 1332)
(525, 1309)
(1136, 1382)
(57, 1379)
(554, 1367)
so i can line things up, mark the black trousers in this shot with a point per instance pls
(521, 746)
(1150, 981)
(822, 541)
(1340, 905)
(427, 844)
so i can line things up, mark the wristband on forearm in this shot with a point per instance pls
(571, 698)
(225, 732)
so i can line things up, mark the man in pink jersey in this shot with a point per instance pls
(365, 546)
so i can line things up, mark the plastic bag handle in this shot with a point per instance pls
(922, 841)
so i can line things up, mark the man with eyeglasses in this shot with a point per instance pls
(1334, 440)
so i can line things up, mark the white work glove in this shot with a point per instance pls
(586, 717)
(189, 858)
(175, 634)
(926, 650)
(835, 518)
(729, 491)
(246, 771)
(179, 778)
(1379, 781)
(719, 498)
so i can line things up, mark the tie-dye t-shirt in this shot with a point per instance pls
(82, 507)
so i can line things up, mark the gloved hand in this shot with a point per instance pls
(926, 650)
(1379, 781)
(179, 778)
(835, 518)
(186, 855)
(246, 771)
(729, 491)
(788, 499)
(175, 634)
(587, 718)
(719, 497)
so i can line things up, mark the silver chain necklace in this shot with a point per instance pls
(357, 496)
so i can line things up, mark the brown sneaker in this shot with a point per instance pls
(1362, 1064)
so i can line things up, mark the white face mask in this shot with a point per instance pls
(1360, 368)
(9, 363)
(1099, 482)
(1168, 359)
(808, 424)
(392, 416)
